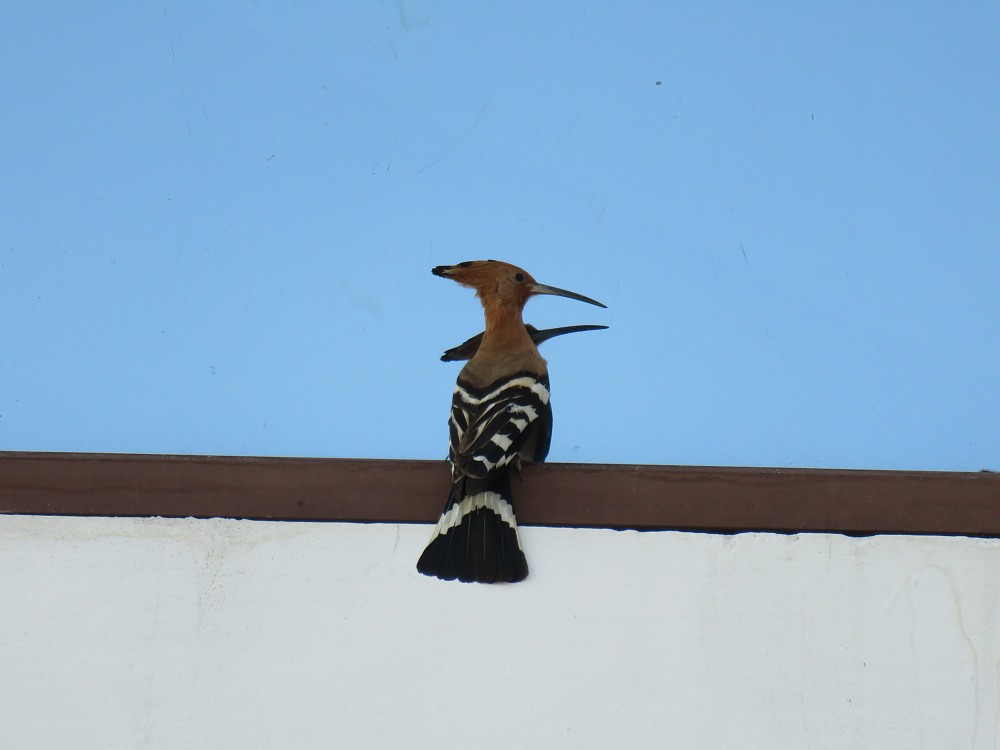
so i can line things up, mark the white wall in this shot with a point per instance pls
(151, 633)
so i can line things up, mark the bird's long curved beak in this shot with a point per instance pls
(557, 292)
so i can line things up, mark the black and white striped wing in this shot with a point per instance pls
(491, 426)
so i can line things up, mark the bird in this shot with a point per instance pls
(500, 416)
(467, 349)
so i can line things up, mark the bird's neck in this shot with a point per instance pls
(505, 330)
(507, 348)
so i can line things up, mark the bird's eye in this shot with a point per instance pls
(519, 277)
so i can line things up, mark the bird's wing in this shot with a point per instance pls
(490, 426)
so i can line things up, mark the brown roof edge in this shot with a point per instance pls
(621, 496)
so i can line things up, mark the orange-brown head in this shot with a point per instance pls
(501, 285)
(506, 345)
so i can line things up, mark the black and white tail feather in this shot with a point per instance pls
(492, 430)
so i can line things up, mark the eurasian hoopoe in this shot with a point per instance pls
(468, 348)
(500, 415)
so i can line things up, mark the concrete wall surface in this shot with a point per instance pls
(155, 633)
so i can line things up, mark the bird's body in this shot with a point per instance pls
(500, 416)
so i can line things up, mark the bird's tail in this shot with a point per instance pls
(476, 538)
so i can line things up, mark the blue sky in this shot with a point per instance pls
(220, 219)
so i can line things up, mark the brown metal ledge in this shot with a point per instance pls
(625, 496)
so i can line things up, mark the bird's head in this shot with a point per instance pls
(500, 284)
